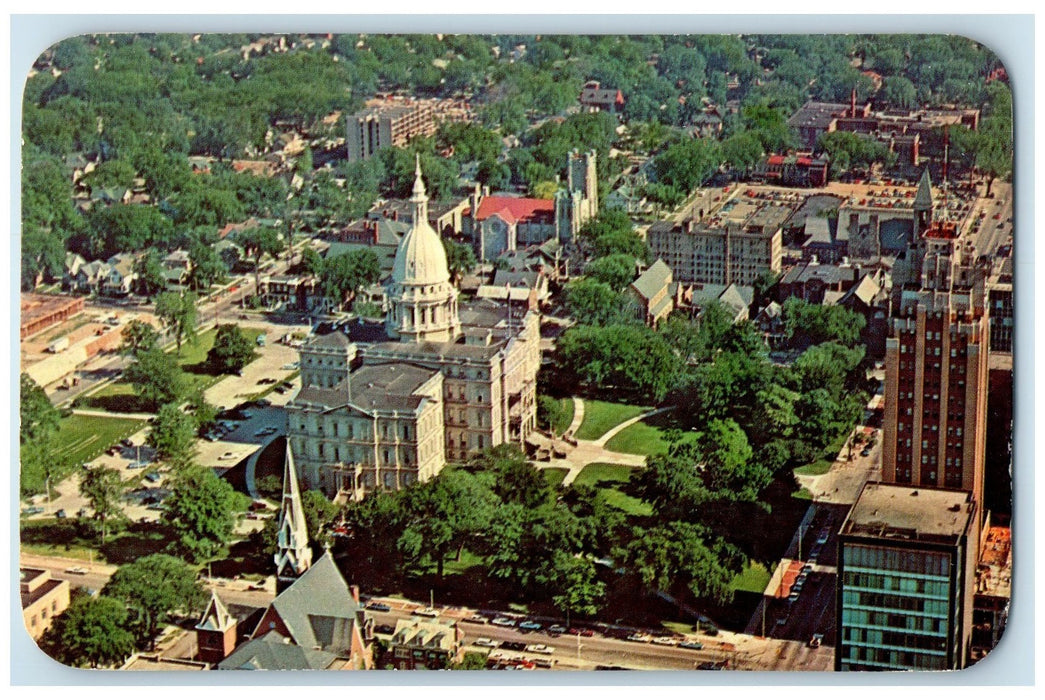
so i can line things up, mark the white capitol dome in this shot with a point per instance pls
(420, 258)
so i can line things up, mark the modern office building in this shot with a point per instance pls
(906, 577)
(387, 124)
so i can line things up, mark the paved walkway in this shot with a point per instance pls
(109, 414)
(578, 416)
(589, 451)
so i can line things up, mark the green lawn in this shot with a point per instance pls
(753, 578)
(647, 437)
(827, 458)
(452, 566)
(82, 438)
(566, 418)
(119, 397)
(605, 478)
(52, 537)
(597, 472)
(803, 494)
(555, 475)
(600, 416)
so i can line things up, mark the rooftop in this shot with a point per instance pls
(910, 513)
(385, 387)
(514, 209)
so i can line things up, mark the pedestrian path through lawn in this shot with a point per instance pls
(598, 417)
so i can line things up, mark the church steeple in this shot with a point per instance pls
(923, 205)
(294, 556)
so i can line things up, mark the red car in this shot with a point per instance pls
(582, 631)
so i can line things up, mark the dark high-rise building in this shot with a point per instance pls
(936, 372)
(906, 575)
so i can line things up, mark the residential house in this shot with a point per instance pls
(770, 323)
(122, 275)
(176, 268)
(736, 299)
(429, 645)
(595, 98)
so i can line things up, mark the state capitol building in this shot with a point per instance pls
(382, 407)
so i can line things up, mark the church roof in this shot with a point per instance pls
(216, 617)
(653, 280)
(923, 199)
(273, 653)
(514, 209)
(318, 609)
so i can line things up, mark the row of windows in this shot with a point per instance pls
(904, 622)
(895, 659)
(912, 603)
(934, 639)
(912, 561)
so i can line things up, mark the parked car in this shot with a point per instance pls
(485, 642)
(513, 646)
(378, 607)
(582, 631)
(427, 612)
(689, 644)
(557, 629)
(503, 622)
(60, 514)
(540, 649)
(666, 641)
(78, 570)
(384, 629)
(530, 625)
(476, 620)
(639, 637)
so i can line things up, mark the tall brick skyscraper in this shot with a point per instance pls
(936, 371)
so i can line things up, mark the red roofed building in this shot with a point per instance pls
(501, 224)
(595, 98)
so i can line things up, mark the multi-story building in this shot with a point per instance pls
(417, 644)
(736, 243)
(906, 569)
(382, 406)
(999, 296)
(387, 124)
(43, 599)
(936, 372)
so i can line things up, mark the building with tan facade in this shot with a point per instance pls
(43, 599)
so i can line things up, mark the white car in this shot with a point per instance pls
(639, 637)
(79, 570)
(485, 642)
(228, 455)
(427, 612)
(540, 649)
(503, 622)
(666, 641)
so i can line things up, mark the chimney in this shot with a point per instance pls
(852, 103)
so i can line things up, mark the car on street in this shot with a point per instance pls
(557, 629)
(503, 622)
(793, 598)
(138, 465)
(78, 570)
(378, 607)
(666, 641)
(639, 637)
(485, 642)
(540, 649)
(689, 644)
(514, 646)
(476, 620)
(582, 631)
(267, 380)
(60, 514)
(530, 625)
(427, 612)
(384, 629)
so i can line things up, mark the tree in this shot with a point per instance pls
(320, 512)
(257, 242)
(39, 417)
(178, 313)
(578, 589)
(616, 270)
(232, 350)
(149, 268)
(152, 588)
(769, 125)
(344, 275)
(687, 164)
(460, 260)
(550, 413)
(138, 336)
(512, 478)
(677, 557)
(207, 266)
(446, 513)
(592, 301)
(156, 377)
(631, 359)
(311, 261)
(173, 435)
(103, 490)
(92, 632)
(742, 151)
(811, 324)
(728, 469)
(201, 512)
